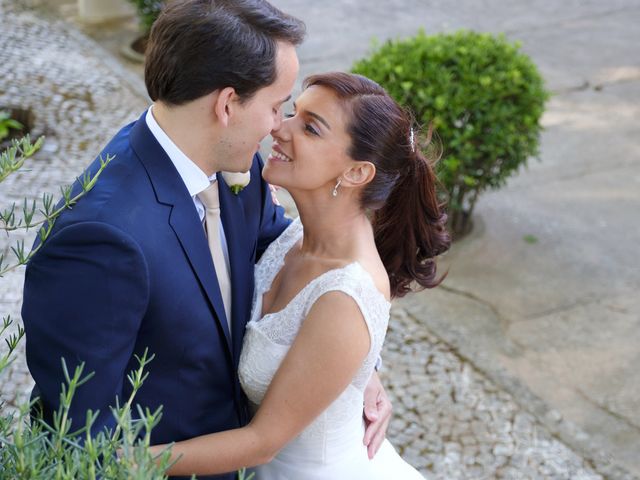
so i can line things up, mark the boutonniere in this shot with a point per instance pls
(237, 181)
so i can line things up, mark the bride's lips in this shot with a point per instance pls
(277, 155)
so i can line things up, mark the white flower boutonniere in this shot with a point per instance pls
(237, 181)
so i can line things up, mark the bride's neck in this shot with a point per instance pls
(333, 229)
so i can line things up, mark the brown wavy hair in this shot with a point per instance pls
(408, 219)
(198, 46)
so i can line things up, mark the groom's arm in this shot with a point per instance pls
(85, 294)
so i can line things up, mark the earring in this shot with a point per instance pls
(335, 189)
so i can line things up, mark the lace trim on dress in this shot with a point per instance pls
(273, 258)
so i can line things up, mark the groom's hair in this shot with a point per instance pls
(198, 46)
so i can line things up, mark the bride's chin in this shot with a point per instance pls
(272, 177)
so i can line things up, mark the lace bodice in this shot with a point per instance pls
(268, 338)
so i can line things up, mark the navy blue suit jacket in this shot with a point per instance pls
(129, 268)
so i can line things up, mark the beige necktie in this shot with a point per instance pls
(209, 197)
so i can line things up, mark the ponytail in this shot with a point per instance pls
(410, 228)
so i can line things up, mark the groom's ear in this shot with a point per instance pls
(223, 105)
(360, 173)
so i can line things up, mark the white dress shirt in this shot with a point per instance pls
(193, 177)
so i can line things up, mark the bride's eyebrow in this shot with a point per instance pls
(316, 116)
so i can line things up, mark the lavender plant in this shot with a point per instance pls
(29, 447)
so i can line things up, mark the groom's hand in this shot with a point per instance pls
(377, 414)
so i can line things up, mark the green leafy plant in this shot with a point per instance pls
(7, 124)
(484, 97)
(148, 11)
(242, 475)
(31, 448)
(34, 449)
(34, 214)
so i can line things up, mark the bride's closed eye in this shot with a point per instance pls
(307, 126)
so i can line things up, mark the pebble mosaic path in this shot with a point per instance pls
(450, 421)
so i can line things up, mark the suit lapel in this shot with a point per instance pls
(193, 240)
(233, 222)
(183, 219)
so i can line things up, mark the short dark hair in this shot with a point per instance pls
(198, 46)
(409, 222)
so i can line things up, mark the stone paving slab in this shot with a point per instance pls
(452, 422)
(556, 34)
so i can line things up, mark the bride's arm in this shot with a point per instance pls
(327, 352)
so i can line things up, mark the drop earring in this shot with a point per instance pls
(335, 189)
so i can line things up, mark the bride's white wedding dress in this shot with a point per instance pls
(331, 447)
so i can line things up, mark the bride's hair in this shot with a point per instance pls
(408, 219)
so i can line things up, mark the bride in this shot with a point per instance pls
(370, 224)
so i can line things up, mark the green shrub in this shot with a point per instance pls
(7, 124)
(148, 11)
(483, 96)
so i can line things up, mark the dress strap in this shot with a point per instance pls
(355, 281)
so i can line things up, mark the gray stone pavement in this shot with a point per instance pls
(522, 364)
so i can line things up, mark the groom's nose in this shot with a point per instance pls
(277, 122)
(280, 130)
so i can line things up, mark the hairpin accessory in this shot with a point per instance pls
(335, 189)
(412, 140)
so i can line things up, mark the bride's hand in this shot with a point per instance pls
(377, 414)
(274, 196)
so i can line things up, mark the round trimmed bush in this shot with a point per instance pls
(148, 12)
(483, 96)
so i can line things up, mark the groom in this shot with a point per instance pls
(145, 260)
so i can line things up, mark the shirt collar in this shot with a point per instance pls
(192, 176)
